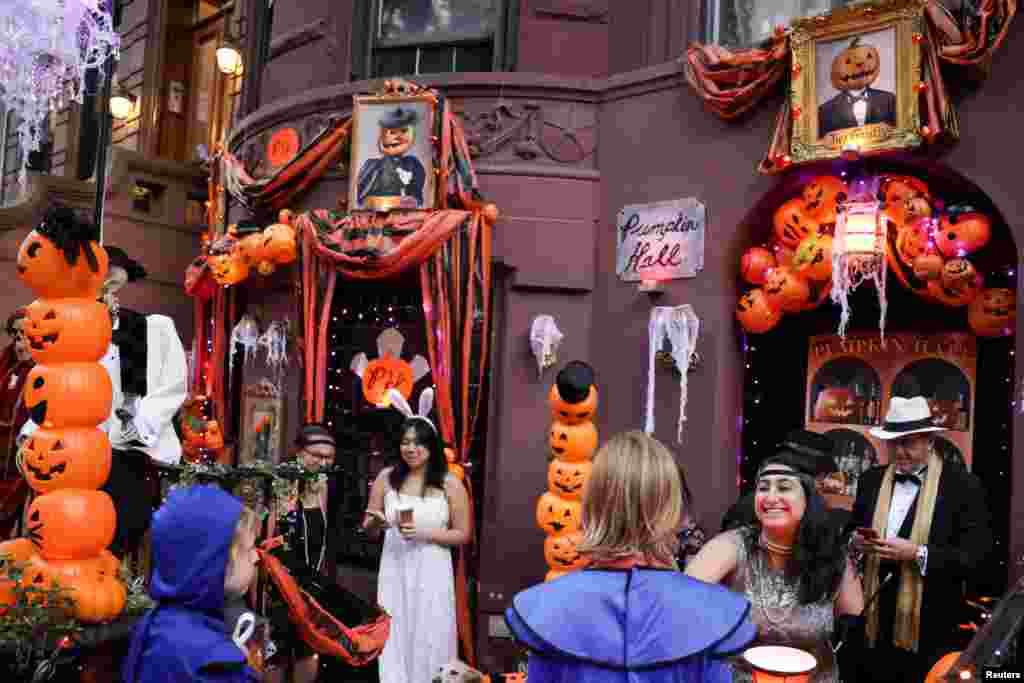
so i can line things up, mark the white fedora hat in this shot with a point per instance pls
(906, 416)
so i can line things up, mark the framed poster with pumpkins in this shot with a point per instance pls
(855, 80)
(392, 153)
(262, 424)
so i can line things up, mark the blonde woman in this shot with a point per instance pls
(630, 616)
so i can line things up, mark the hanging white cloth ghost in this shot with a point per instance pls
(680, 326)
(274, 342)
(545, 338)
(247, 334)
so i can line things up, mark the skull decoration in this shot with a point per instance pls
(545, 338)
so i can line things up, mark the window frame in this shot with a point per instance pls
(710, 23)
(504, 38)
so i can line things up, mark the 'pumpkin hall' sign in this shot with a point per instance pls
(660, 241)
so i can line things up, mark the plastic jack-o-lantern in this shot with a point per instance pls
(755, 264)
(813, 258)
(67, 330)
(572, 413)
(573, 397)
(785, 290)
(896, 194)
(822, 196)
(928, 267)
(912, 241)
(573, 443)
(252, 247)
(17, 551)
(229, 269)
(556, 515)
(792, 224)
(104, 564)
(95, 599)
(561, 552)
(279, 243)
(959, 284)
(993, 313)
(68, 458)
(71, 524)
(754, 313)
(68, 394)
(568, 479)
(45, 268)
(856, 67)
(962, 232)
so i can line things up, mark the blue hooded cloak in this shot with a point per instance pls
(630, 625)
(184, 637)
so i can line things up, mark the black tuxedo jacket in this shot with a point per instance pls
(959, 543)
(837, 113)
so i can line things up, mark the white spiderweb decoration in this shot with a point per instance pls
(245, 334)
(858, 256)
(274, 341)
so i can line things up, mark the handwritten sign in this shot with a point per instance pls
(661, 241)
(383, 374)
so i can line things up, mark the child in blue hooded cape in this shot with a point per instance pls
(631, 616)
(203, 555)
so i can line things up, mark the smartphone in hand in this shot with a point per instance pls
(868, 533)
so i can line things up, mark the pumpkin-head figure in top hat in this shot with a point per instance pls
(396, 179)
(855, 70)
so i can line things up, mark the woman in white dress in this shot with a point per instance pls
(425, 511)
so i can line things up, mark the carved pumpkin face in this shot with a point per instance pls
(252, 248)
(69, 458)
(912, 241)
(568, 479)
(755, 264)
(561, 554)
(397, 141)
(17, 551)
(895, 193)
(71, 524)
(958, 273)
(959, 284)
(573, 443)
(754, 313)
(822, 196)
(572, 413)
(67, 330)
(68, 395)
(42, 266)
(785, 290)
(856, 67)
(96, 599)
(556, 515)
(993, 313)
(229, 269)
(813, 258)
(279, 243)
(928, 267)
(834, 404)
(792, 224)
(961, 234)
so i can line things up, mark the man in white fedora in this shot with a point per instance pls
(927, 526)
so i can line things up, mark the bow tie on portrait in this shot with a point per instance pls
(908, 477)
(863, 97)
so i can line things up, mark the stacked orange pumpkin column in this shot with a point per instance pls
(68, 394)
(573, 441)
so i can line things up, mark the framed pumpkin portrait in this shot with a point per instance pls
(392, 165)
(855, 80)
(262, 424)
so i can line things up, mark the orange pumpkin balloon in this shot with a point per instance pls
(785, 290)
(256, 254)
(912, 241)
(229, 269)
(45, 269)
(561, 552)
(568, 479)
(755, 264)
(822, 196)
(572, 413)
(71, 524)
(754, 313)
(17, 551)
(68, 395)
(895, 193)
(963, 233)
(67, 330)
(792, 224)
(958, 274)
(783, 255)
(556, 515)
(573, 443)
(813, 258)
(928, 267)
(938, 672)
(386, 373)
(279, 243)
(993, 313)
(68, 458)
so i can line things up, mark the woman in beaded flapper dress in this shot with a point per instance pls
(792, 566)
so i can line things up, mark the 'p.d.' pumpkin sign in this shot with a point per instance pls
(388, 370)
(68, 394)
(67, 330)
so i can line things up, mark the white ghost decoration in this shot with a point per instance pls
(246, 333)
(680, 327)
(545, 338)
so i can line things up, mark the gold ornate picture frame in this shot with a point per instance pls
(392, 161)
(855, 80)
(262, 424)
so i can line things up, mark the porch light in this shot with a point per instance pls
(122, 103)
(858, 254)
(229, 57)
(777, 664)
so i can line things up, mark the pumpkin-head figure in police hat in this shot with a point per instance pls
(396, 179)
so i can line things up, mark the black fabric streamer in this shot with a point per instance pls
(130, 338)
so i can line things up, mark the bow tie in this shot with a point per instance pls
(863, 97)
(907, 478)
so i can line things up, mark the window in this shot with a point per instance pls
(411, 37)
(746, 23)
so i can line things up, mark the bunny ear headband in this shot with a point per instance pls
(399, 403)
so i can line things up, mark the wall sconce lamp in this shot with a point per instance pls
(776, 664)
(122, 103)
(651, 288)
(229, 56)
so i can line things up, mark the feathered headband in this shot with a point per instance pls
(399, 403)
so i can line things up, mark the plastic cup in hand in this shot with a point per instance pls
(405, 515)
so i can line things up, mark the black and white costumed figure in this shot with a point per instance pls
(149, 373)
(397, 178)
